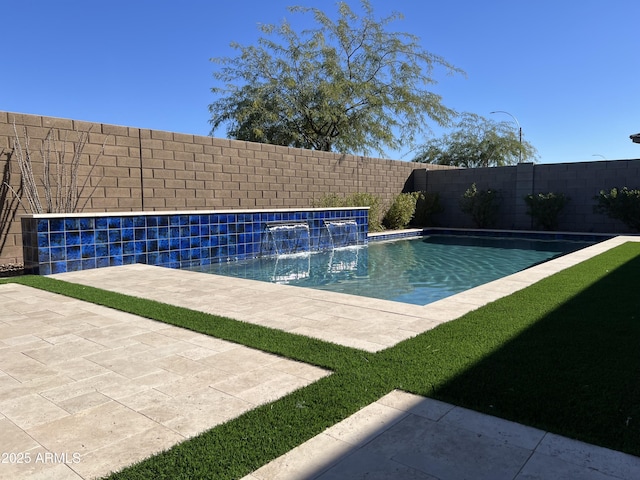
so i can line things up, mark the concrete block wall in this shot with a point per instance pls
(580, 181)
(152, 170)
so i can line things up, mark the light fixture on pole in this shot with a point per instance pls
(519, 129)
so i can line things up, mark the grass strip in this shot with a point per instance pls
(560, 355)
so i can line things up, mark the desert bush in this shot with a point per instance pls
(332, 200)
(427, 205)
(482, 205)
(545, 208)
(622, 204)
(401, 211)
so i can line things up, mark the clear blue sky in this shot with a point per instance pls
(568, 71)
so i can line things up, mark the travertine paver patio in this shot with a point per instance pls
(85, 389)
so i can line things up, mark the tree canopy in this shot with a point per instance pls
(476, 141)
(349, 85)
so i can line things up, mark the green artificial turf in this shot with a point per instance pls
(561, 355)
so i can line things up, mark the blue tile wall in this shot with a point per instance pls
(175, 240)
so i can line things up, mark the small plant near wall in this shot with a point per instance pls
(427, 205)
(482, 205)
(60, 183)
(622, 204)
(401, 211)
(545, 208)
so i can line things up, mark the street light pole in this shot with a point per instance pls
(519, 129)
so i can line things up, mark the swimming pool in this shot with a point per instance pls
(418, 270)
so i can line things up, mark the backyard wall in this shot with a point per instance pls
(580, 181)
(152, 170)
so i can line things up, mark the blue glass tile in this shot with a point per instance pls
(115, 249)
(101, 223)
(165, 257)
(115, 236)
(56, 225)
(102, 236)
(141, 258)
(102, 250)
(44, 255)
(215, 253)
(174, 232)
(72, 238)
(43, 240)
(163, 232)
(152, 245)
(43, 225)
(195, 253)
(194, 230)
(231, 218)
(185, 231)
(174, 256)
(88, 263)
(174, 243)
(213, 241)
(114, 222)
(194, 219)
(152, 233)
(57, 254)
(163, 221)
(153, 258)
(72, 253)
(223, 229)
(72, 224)
(87, 223)
(140, 247)
(127, 234)
(128, 248)
(163, 244)
(87, 237)
(174, 220)
(139, 222)
(102, 262)
(128, 259)
(88, 251)
(115, 260)
(205, 230)
(205, 242)
(152, 221)
(214, 230)
(184, 243)
(59, 267)
(214, 219)
(205, 260)
(140, 234)
(74, 265)
(127, 222)
(194, 242)
(56, 239)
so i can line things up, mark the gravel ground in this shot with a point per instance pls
(11, 269)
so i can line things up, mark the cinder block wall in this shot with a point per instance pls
(580, 181)
(149, 170)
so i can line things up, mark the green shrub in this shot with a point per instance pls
(544, 208)
(332, 200)
(401, 211)
(482, 205)
(622, 204)
(427, 205)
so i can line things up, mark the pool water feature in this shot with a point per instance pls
(416, 270)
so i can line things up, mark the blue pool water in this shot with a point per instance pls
(418, 270)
